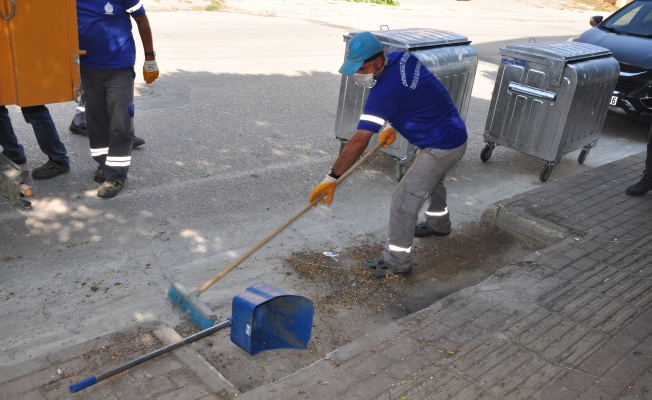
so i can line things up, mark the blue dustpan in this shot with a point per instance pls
(265, 317)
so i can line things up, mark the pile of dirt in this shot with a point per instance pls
(442, 266)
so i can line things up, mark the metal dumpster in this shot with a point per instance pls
(447, 55)
(549, 99)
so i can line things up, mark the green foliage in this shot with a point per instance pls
(214, 6)
(385, 2)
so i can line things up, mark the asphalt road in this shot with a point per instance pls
(239, 129)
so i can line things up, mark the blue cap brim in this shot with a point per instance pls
(349, 67)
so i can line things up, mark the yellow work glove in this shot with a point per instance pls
(150, 71)
(387, 136)
(327, 187)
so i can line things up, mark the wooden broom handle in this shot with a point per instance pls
(267, 238)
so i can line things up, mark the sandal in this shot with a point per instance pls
(380, 268)
(423, 230)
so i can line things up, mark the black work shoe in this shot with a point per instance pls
(381, 268)
(639, 188)
(110, 188)
(423, 230)
(137, 142)
(16, 158)
(99, 174)
(49, 170)
(78, 129)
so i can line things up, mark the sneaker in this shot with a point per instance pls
(99, 174)
(639, 188)
(137, 142)
(17, 159)
(78, 129)
(110, 188)
(382, 268)
(423, 230)
(49, 170)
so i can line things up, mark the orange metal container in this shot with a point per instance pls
(39, 52)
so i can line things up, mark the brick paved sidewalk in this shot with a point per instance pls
(572, 321)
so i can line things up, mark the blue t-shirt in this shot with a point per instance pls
(415, 102)
(105, 32)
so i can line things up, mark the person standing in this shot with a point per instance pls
(47, 138)
(403, 92)
(645, 184)
(107, 75)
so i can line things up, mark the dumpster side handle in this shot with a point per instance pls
(532, 91)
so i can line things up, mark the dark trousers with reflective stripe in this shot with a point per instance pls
(424, 180)
(109, 99)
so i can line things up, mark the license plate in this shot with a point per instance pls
(614, 100)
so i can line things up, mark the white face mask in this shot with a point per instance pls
(364, 80)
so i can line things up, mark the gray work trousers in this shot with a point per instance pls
(423, 180)
(109, 100)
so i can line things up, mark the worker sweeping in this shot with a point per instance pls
(404, 93)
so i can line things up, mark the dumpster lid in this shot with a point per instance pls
(557, 54)
(560, 51)
(416, 38)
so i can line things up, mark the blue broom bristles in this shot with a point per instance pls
(188, 308)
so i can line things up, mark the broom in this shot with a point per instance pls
(187, 298)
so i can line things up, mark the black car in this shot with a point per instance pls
(628, 34)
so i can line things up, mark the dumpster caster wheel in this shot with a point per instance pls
(583, 154)
(485, 154)
(545, 173)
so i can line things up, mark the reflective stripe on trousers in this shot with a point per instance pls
(437, 213)
(396, 248)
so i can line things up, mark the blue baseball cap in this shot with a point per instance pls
(362, 46)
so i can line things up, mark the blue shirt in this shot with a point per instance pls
(105, 32)
(415, 103)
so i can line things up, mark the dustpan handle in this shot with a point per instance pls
(285, 225)
(81, 385)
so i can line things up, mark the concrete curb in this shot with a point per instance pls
(524, 226)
